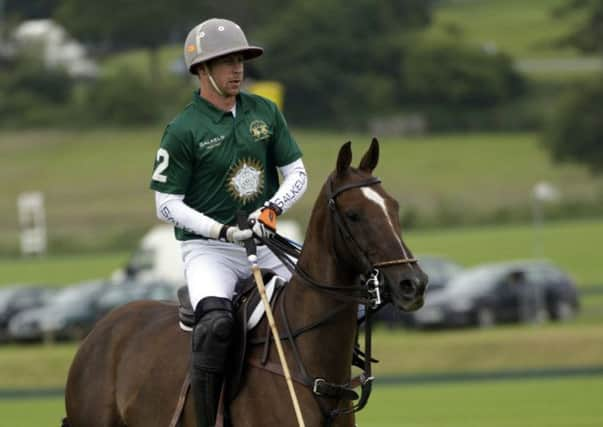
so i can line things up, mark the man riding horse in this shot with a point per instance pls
(222, 154)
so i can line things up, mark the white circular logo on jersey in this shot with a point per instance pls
(246, 180)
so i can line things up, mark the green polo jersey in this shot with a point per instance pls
(220, 163)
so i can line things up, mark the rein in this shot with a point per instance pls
(367, 293)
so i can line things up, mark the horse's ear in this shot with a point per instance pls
(344, 159)
(371, 157)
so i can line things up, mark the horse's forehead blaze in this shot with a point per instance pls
(379, 200)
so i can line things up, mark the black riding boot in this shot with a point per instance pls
(211, 342)
(206, 387)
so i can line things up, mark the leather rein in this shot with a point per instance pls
(367, 293)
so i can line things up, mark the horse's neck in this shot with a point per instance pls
(318, 257)
(327, 348)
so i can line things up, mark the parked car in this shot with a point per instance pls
(16, 298)
(515, 291)
(131, 290)
(561, 295)
(439, 270)
(68, 314)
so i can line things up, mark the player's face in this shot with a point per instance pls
(227, 71)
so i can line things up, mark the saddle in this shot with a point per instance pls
(248, 312)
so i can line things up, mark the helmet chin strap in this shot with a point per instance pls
(213, 82)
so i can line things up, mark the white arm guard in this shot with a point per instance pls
(172, 209)
(295, 182)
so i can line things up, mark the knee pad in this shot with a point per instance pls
(212, 334)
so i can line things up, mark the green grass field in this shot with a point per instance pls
(541, 403)
(522, 29)
(95, 182)
(32, 412)
(527, 31)
(60, 270)
(399, 351)
(573, 402)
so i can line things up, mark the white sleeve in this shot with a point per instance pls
(295, 182)
(172, 209)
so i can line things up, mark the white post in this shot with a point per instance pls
(541, 193)
(537, 221)
(32, 223)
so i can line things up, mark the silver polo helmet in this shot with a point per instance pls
(216, 37)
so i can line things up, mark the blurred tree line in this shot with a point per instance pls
(343, 64)
(576, 131)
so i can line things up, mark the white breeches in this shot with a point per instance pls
(212, 267)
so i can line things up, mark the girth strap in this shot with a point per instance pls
(320, 387)
(336, 391)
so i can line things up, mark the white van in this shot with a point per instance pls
(157, 257)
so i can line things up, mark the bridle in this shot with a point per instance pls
(367, 293)
(370, 267)
(370, 290)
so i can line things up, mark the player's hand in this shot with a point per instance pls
(234, 234)
(263, 221)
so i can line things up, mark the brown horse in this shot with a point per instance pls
(130, 369)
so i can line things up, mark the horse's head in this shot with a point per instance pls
(368, 233)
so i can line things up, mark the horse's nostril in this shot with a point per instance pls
(408, 288)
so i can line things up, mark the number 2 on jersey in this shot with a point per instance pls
(163, 157)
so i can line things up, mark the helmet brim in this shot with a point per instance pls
(248, 53)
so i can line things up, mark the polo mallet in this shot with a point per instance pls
(257, 275)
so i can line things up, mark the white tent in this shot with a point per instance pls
(57, 48)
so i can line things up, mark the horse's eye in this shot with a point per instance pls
(352, 216)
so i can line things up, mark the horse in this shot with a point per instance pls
(130, 369)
